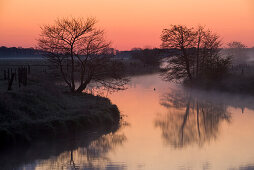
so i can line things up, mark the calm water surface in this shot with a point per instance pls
(162, 129)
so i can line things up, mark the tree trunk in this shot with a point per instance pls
(187, 64)
(72, 71)
(83, 86)
(64, 77)
(197, 69)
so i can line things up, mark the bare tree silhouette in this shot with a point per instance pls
(182, 38)
(80, 53)
(200, 53)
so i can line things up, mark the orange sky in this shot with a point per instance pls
(128, 23)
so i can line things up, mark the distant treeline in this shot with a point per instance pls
(14, 52)
(140, 53)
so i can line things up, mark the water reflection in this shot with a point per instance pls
(92, 156)
(190, 120)
(205, 130)
(80, 151)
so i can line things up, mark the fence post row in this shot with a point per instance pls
(20, 74)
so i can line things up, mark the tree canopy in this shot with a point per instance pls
(199, 53)
(80, 53)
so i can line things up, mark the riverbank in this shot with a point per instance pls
(236, 84)
(42, 109)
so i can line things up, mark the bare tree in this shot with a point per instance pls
(181, 38)
(200, 36)
(200, 52)
(213, 64)
(80, 53)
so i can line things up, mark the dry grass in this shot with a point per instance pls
(42, 108)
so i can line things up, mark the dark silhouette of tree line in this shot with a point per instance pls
(19, 52)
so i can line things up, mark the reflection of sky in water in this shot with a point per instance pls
(218, 136)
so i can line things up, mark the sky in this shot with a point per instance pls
(128, 23)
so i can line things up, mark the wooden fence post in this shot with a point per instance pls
(8, 74)
(15, 74)
(28, 67)
(10, 82)
(19, 76)
(5, 77)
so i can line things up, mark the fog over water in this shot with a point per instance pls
(164, 127)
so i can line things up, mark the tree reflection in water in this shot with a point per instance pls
(81, 151)
(94, 156)
(190, 120)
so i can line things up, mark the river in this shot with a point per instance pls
(164, 127)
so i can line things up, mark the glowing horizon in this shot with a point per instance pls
(128, 23)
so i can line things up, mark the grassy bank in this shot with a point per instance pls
(43, 109)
